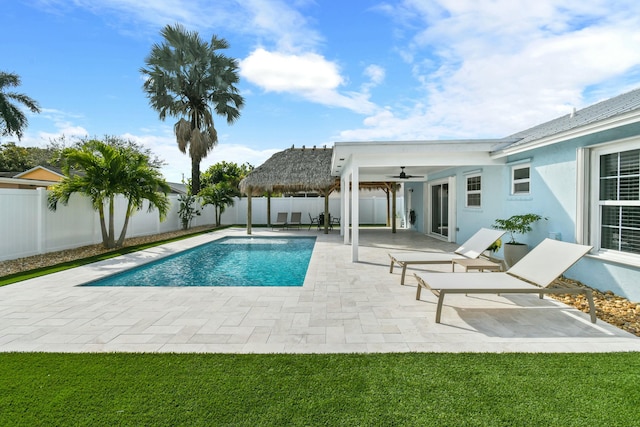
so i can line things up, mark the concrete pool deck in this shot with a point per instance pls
(343, 307)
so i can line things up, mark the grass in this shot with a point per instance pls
(337, 390)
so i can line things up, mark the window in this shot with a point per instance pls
(474, 187)
(619, 201)
(521, 179)
(608, 192)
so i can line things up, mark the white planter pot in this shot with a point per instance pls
(514, 253)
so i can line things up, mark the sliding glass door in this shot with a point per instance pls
(440, 209)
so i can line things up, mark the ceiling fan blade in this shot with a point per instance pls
(404, 175)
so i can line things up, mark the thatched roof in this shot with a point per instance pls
(294, 169)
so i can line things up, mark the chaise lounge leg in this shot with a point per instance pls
(404, 272)
(592, 308)
(439, 306)
(391, 268)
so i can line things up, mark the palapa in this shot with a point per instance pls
(303, 169)
(291, 170)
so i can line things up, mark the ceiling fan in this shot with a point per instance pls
(404, 175)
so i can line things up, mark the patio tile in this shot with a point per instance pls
(343, 307)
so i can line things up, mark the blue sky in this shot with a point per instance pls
(317, 72)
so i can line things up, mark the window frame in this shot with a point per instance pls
(592, 209)
(515, 181)
(468, 192)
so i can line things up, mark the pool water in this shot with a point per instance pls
(230, 261)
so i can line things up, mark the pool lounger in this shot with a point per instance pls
(470, 249)
(531, 275)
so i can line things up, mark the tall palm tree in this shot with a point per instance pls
(105, 171)
(12, 119)
(185, 77)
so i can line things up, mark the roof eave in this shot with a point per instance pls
(588, 129)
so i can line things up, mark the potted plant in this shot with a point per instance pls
(517, 224)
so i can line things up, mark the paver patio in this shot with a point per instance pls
(343, 307)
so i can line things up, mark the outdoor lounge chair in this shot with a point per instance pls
(313, 221)
(281, 221)
(531, 275)
(470, 249)
(296, 219)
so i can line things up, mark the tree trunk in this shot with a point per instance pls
(195, 176)
(110, 235)
(103, 225)
(123, 233)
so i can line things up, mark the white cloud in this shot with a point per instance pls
(274, 21)
(490, 69)
(375, 74)
(178, 165)
(279, 72)
(62, 123)
(307, 75)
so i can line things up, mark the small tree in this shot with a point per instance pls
(220, 196)
(228, 172)
(517, 224)
(104, 171)
(187, 210)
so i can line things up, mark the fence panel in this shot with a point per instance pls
(18, 223)
(28, 227)
(70, 226)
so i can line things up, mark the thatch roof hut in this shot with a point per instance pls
(294, 169)
(303, 169)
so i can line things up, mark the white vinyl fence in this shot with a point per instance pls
(28, 227)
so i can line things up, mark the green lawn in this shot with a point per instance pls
(335, 390)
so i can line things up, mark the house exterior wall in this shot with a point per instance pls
(470, 219)
(41, 174)
(553, 194)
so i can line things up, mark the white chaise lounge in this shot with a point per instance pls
(470, 249)
(531, 275)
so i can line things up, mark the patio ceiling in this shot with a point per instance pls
(381, 160)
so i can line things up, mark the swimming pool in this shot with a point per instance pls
(230, 261)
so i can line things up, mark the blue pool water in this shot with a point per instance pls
(231, 261)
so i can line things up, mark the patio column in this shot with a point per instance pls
(249, 211)
(393, 207)
(345, 206)
(355, 213)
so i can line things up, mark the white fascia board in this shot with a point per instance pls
(413, 153)
(24, 181)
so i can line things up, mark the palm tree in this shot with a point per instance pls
(105, 171)
(219, 195)
(185, 76)
(12, 119)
